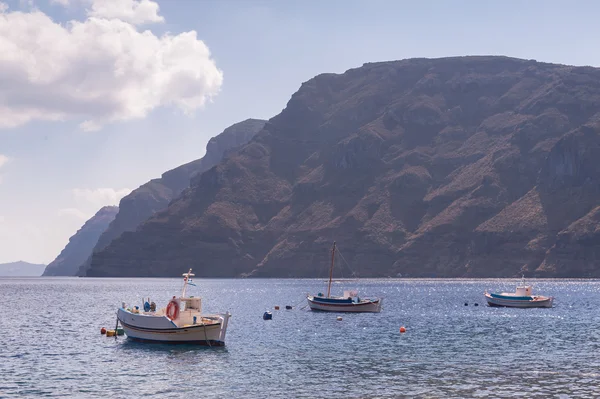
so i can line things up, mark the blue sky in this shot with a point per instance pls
(54, 173)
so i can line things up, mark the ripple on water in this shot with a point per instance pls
(52, 345)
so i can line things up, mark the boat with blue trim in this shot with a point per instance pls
(521, 298)
(181, 321)
(349, 302)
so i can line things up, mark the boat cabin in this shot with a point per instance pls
(523, 290)
(348, 297)
(350, 294)
(191, 303)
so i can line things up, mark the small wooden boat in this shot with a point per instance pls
(521, 298)
(349, 302)
(181, 321)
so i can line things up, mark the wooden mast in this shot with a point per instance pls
(331, 269)
(186, 277)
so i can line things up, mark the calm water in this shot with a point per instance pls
(50, 342)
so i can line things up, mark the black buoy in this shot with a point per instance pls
(476, 304)
(288, 307)
(466, 304)
(267, 316)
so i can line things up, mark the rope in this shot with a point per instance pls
(117, 326)
(302, 300)
(347, 264)
(341, 267)
(205, 335)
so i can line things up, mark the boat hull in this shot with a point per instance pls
(373, 306)
(537, 302)
(140, 328)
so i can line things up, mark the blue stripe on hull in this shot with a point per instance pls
(332, 300)
(512, 298)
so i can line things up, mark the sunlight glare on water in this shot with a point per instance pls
(51, 342)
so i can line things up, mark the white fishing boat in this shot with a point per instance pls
(349, 302)
(181, 321)
(521, 298)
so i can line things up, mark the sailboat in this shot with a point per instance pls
(349, 302)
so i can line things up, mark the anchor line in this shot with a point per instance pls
(117, 326)
(205, 335)
(296, 305)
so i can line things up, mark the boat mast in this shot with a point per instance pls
(186, 276)
(331, 269)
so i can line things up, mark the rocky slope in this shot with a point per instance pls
(81, 244)
(467, 166)
(155, 195)
(21, 269)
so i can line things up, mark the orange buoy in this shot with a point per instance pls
(402, 329)
(103, 331)
(276, 307)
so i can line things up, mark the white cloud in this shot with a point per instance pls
(132, 11)
(88, 201)
(99, 197)
(75, 213)
(100, 70)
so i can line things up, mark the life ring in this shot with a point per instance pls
(173, 310)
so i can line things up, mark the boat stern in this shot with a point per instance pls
(380, 305)
(224, 322)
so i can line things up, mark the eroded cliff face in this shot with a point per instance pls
(81, 244)
(155, 195)
(468, 166)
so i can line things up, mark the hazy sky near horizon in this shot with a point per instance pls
(99, 96)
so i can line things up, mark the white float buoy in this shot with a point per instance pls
(339, 318)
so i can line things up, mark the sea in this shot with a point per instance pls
(455, 346)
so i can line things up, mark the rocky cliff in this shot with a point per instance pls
(81, 244)
(467, 166)
(155, 195)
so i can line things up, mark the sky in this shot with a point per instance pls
(99, 96)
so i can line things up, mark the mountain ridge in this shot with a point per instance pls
(21, 269)
(156, 194)
(477, 166)
(80, 245)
